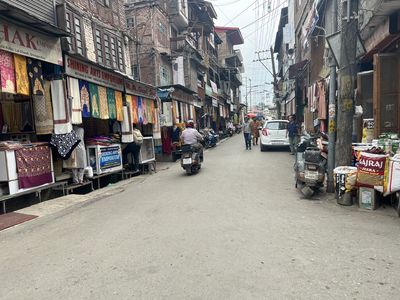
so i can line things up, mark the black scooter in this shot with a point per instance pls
(310, 165)
(191, 159)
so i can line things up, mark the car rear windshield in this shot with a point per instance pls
(276, 125)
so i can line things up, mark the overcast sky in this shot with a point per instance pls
(258, 21)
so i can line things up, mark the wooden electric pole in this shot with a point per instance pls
(347, 73)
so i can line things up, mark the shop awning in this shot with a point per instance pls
(164, 95)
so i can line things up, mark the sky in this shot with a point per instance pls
(258, 21)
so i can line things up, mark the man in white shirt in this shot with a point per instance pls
(190, 136)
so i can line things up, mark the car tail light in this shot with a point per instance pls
(265, 131)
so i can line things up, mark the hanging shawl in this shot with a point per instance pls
(103, 102)
(128, 100)
(140, 110)
(112, 111)
(7, 72)
(118, 105)
(21, 75)
(135, 118)
(43, 112)
(65, 143)
(62, 124)
(150, 109)
(94, 100)
(85, 98)
(35, 76)
(126, 126)
(33, 166)
(75, 100)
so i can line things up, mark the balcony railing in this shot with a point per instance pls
(181, 42)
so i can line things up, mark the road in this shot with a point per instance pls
(236, 230)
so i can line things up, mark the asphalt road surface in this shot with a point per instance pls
(236, 230)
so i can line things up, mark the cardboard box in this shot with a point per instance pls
(368, 198)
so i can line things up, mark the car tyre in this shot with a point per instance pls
(263, 148)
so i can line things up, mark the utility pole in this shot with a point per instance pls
(278, 105)
(250, 94)
(347, 74)
(330, 188)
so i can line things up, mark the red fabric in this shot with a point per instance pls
(7, 72)
(33, 166)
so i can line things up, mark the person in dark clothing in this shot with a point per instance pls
(293, 131)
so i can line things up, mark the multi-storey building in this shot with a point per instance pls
(231, 62)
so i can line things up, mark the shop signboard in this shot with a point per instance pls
(26, 42)
(139, 89)
(110, 157)
(86, 71)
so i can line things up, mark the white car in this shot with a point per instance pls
(274, 134)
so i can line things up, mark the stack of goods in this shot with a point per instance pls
(370, 176)
(389, 142)
(10, 145)
(102, 140)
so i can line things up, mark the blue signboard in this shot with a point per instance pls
(110, 157)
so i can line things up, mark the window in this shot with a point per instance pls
(164, 76)
(120, 56)
(135, 71)
(130, 22)
(78, 36)
(276, 125)
(162, 35)
(109, 50)
(99, 46)
(114, 52)
(73, 24)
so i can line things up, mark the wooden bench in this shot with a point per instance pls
(37, 191)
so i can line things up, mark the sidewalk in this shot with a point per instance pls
(55, 205)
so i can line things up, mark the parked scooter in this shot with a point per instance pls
(191, 159)
(310, 165)
(238, 128)
(210, 137)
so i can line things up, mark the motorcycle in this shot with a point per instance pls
(310, 164)
(210, 137)
(238, 129)
(191, 159)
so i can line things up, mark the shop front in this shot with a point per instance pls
(178, 105)
(29, 62)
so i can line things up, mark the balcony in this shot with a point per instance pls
(181, 43)
(178, 12)
(235, 59)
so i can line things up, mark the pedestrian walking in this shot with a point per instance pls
(247, 125)
(294, 132)
(255, 131)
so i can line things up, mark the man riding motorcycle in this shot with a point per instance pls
(190, 136)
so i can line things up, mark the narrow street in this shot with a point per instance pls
(236, 230)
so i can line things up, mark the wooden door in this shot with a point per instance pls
(386, 96)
